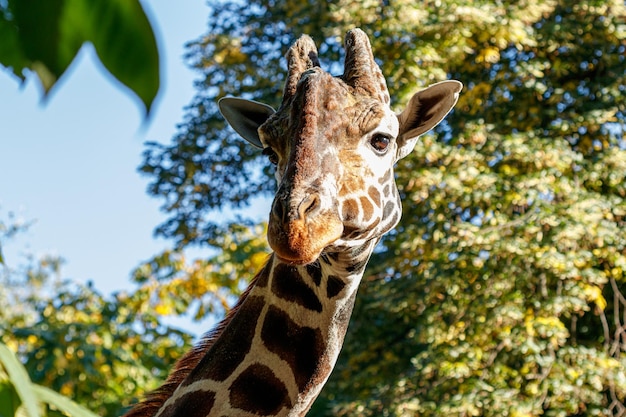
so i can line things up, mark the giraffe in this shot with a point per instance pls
(334, 142)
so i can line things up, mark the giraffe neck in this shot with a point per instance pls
(278, 350)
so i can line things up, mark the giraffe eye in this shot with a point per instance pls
(271, 155)
(380, 142)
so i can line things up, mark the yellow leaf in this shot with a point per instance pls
(594, 294)
(490, 55)
(162, 309)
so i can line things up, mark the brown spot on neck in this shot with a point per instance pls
(257, 390)
(314, 270)
(288, 284)
(192, 404)
(334, 285)
(231, 348)
(301, 347)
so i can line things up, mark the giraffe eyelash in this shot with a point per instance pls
(271, 155)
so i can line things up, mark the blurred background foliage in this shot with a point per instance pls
(105, 352)
(100, 351)
(501, 293)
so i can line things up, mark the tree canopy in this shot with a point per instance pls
(101, 351)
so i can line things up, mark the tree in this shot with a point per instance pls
(501, 292)
(102, 352)
(106, 352)
(45, 37)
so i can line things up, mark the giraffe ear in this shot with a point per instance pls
(245, 117)
(425, 110)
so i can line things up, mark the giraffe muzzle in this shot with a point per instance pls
(299, 229)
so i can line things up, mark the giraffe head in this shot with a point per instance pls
(334, 141)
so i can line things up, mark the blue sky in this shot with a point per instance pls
(71, 164)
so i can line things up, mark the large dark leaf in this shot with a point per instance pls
(125, 43)
(46, 36)
(11, 54)
(41, 40)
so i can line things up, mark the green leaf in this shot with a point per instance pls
(20, 380)
(9, 400)
(45, 37)
(11, 55)
(123, 38)
(61, 403)
(41, 40)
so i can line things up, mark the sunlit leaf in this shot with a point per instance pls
(20, 380)
(61, 403)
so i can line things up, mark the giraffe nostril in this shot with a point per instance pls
(309, 206)
(284, 211)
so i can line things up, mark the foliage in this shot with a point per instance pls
(103, 352)
(19, 396)
(171, 285)
(45, 37)
(106, 352)
(501, 292)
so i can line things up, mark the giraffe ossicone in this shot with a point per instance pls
(334, 141)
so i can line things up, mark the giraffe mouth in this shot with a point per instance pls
(302, 241)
